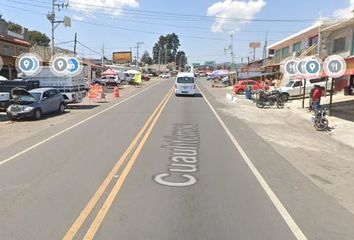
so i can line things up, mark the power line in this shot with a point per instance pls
(178, 15)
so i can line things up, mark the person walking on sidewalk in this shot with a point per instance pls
(316, 98)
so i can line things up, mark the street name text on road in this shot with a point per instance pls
(184, 154)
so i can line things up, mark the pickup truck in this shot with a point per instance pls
(295, 87)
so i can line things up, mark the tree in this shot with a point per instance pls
(146, 59)
(39, 38)
(181, 59)
(14, 27)
(165, 50)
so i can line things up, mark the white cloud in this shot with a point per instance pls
(114, 7)
(345, 12)
(233, 9)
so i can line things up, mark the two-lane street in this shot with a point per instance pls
(160, 167)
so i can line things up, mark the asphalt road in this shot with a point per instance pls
(160, 167)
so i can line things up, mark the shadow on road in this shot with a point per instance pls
(343, 110)
(82, 107)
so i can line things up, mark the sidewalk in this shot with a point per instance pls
(326, 158)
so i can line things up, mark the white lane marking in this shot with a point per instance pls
(73, 126)
(275, 200)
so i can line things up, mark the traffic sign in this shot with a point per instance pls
(335, 66)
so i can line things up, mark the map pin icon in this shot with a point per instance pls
(60, 64)
(312, 66)
(26, 63)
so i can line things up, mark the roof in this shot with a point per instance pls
(14, 40)
(185, 74)
(338, 25)
(298, 34)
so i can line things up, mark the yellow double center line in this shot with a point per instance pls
(147, 129)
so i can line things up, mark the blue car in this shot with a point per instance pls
(35, 103)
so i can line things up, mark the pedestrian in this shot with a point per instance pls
(316, 98)
(310, 100)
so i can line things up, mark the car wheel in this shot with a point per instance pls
(61, 108)
(37, 114)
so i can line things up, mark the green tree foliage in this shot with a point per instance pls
(146, 59)
(39, 38)
(14, 27)
(181, 59)
(166, 49)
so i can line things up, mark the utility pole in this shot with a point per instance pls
(75, 43)
(138, 44)
(265, 46)
(103, 55)
(230, 49)
(52, 18)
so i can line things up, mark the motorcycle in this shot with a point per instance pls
(319, 120)
(270, 99)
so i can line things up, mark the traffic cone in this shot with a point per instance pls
(116, 92)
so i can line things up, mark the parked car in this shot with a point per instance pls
(99, 81)
(145, 77)
(241, 86)
(295, 87)
(165, 75)
(35, 103)
(111, 81)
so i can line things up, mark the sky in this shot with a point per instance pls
(203, 26)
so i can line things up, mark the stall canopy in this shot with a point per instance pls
(218, 73)
(109, 73)
(132, 72)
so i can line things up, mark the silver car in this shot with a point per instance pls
(35, 103)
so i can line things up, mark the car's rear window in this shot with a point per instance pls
(185, 80)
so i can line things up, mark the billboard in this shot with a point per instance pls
(255, 45)
(122, 57)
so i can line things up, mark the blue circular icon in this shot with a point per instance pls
(313, 67)
(73, 65)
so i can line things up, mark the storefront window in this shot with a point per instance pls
(313, 41)
(297, 47)
(7, 50)
(277, 56)
(339, 44)
(285, 52)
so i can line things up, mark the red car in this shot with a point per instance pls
(241, 86)
(145, 77)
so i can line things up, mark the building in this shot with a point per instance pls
(338, 39)
(11, 45)
(301, 44)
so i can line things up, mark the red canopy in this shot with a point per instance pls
(109, 72)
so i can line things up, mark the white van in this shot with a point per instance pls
(185, 84)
